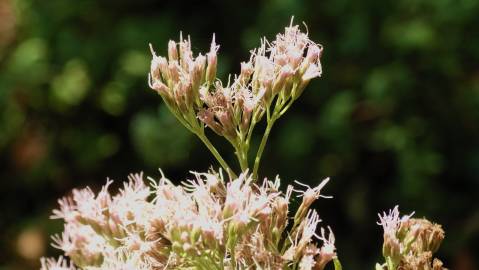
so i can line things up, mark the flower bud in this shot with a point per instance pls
(281, 60)
(231, 207)
(198, 71)
(174, 71)
(215, 184)
(437, 265)
(172, 51)
(185, 53)
(226, 120)
(435, 238)
(209, 238)
(311, 72)
(309, 196)
(186, 90)
(391, 247)
(294, 58)
(246, 71)
(246, 117)
(285, 73)
(281, 209)
(179, 97)
(157, 225)
(325, 256)
(115, 230)
(212, 62)
(264, 214)
(239, 222)
(155, 68)
(208, 117)
(314, 53)
(161, 88)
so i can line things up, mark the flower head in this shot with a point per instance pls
(165, 225)
(409, 242)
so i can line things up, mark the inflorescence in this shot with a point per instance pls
(205, 223)
(216, 222)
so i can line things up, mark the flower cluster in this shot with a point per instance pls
(410, 243)
(205, 223)
(277, 72)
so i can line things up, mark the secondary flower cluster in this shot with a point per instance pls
(410, 243)
(206, 223)
(189, 86)
(278, 71)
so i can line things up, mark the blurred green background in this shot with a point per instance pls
(393, 120)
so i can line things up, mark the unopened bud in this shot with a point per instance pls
(281, 210)
(212, 62)
(323, 259)
(199, 69)
(246, 71)
(155, 68)
(186, 89)
(208, 238)
(115, 231)
(435, 238)
(161, 88)
(226, 120)
(186, 55)
(311, 72)
(246, 118)
(179, 98)
(157, 225)
(314, 53)
(281, 60)
(295, 57)
(197, 76)
(208, 117)
(285, 73)
(391, 247)
(172, 51)
(174, 71)
(264, 214)
(230, 208)
(437, 265)
(240, 222)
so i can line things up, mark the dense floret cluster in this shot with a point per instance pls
(205, 223)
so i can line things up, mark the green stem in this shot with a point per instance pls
(262, 145)
(242, 151)
(200, 133)
(242, 158)
(337, 264)
(217, 155)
